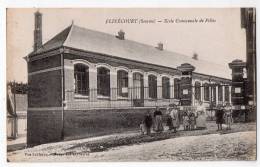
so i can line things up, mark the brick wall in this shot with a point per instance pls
(43, 127)
(45, 89)
(80, 124)
(44, 119)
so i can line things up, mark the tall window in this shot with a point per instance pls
(226, 93)
(165, 87)
(197, 91)
(122, 83)
(213, 94)
(206, 92)
(81, 77)
(176, 88)
(137, 86)
(152, 83)
(103, 81)
(220, 93)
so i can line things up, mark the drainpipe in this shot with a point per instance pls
(62, 93)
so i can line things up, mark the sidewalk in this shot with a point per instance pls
(102, 143)
(16, 144)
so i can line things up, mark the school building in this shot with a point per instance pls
(83, 83)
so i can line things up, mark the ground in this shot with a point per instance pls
(208, 144)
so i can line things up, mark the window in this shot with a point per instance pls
(220, 93)
(122, 83)
(103, 81)
(176, 88)
(165, 88)
(226, 93)
(152, 84)
(81, 77)
(213, 94)
(206, 92)
(137, 86)
(197, 91)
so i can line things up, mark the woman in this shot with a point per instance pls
(228, 116)
(158, 124)
(175, 118)
(219, 117)
(169, 118)
(148, 122)
(201, 119)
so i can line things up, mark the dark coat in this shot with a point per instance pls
(219, 116)
(157, 112)
(148, 121)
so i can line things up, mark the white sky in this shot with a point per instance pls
(220, 42)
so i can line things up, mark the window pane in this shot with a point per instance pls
(152, 82)
(122, 83)
(81, 76)
(103, 81)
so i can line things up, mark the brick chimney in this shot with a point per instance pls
(160, 46)
(121, 35)
(37, 30)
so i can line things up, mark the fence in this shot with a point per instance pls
(120, 97)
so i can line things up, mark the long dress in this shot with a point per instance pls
(158, 123)
(175, 118)
(219, 116)
(201, 119)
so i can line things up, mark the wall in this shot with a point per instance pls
(79, 124)
(44, 117)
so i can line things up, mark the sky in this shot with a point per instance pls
(220, 41)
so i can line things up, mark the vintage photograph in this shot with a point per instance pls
(131, 84)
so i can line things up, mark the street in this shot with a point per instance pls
(239, 144)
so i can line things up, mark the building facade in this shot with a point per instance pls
(83, 72)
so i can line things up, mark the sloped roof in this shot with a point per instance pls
(99, 42)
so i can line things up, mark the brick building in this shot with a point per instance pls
(83, 79)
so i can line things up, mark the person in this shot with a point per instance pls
(185, 121)
(169, 118)
(158, 124)
(142, 128)
(192, 120)
(228, 116)
(201, 118)
(219, 116)
(175, 118)
(148, 122)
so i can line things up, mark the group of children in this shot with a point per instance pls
(191, 120)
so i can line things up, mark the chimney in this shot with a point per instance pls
(160, 46)
(121, 35)
(195, 56)
(37, 30)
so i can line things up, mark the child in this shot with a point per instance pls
(185, 121)
(192, 121)
(228, 117)
(142, 128)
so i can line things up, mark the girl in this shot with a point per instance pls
(186, 121)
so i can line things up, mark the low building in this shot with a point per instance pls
(84, 82)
